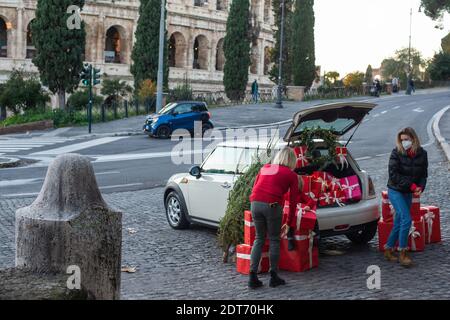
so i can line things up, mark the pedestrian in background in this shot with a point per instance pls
(266, 202)
(255, 91)
(408, 172)
(411, 84)
(395, 85)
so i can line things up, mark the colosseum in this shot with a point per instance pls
(196, 29)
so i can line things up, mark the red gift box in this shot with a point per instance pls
(352, 189)
(432, 220)
(416, 239)
(243, 252)
(302, 160)
(326, 199)
(334, 183)
(309, 189)
(321, 181)
(341, 157)
(415, 208)
(338, 197)
(387, 210)
(303, 258)
(249, 229)
(305, 220)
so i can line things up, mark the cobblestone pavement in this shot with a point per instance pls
(187, 264)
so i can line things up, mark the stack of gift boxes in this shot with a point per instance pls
(325, 190)
(324, 187)
(244, 250)
(425, 227)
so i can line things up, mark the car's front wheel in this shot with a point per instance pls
(175, 211)
(364, 235)
(163, 132)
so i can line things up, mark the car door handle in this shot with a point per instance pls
(226, 185)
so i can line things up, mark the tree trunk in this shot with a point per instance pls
(2, 112)
(62, 99)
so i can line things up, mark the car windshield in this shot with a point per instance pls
(168, 108)
(228, 160)
(339, 125)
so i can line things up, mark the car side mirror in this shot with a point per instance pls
(196, 172)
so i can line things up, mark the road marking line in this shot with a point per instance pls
(363, 158)
(397, 107)
(376, 115)
(19, 182)
(79, 146)
(122, 185)
(383, 112)
(382, 155)
(20, 194)
(107, 172)
(411, 103)
(418, 110)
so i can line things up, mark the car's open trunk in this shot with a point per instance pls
(334, 171)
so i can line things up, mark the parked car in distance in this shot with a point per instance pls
(178, 115)
(201, 196)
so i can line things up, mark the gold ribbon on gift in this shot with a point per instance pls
(309, 237)
(413, 233)
(429, 218)
(350, 188)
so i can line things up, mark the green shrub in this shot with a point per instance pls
(80, 99)
(181, 92)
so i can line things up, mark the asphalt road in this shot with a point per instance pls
(138, 162)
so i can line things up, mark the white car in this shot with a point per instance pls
(201, 195)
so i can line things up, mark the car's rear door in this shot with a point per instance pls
(182, 119)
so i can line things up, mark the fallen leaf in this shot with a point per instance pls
(129, 269)
(131, 230)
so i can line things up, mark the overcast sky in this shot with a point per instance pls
(351, 34)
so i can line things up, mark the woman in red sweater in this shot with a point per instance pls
(267, 201)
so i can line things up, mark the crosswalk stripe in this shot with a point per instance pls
(78, 146)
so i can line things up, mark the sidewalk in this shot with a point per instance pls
(442, 132)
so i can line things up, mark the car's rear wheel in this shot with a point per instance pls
(163, 132)
(363, 236)
(175, 211)
(206, 127)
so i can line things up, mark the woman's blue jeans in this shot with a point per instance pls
(402, 221)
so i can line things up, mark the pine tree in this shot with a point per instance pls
(369, 75)
(303, 59)
(60, 49)
(236, 47)
(275, 54)
(146, 49)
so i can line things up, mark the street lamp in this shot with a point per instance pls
(279, 103)
(159, 83)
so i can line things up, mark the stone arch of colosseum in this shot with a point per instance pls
(177, 50)
(201, 52)
(6, 33)
(220, 56)
(115, 44)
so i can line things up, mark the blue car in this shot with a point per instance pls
(178, 115)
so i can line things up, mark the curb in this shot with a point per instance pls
(13, 162)
(437, 133)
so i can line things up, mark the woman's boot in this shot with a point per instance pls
(253, 281)
(275, 280)
(389, 255)
(405, 260)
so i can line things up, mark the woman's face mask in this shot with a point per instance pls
(406, 144)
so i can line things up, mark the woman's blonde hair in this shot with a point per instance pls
(286, 157)
(410, 132)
